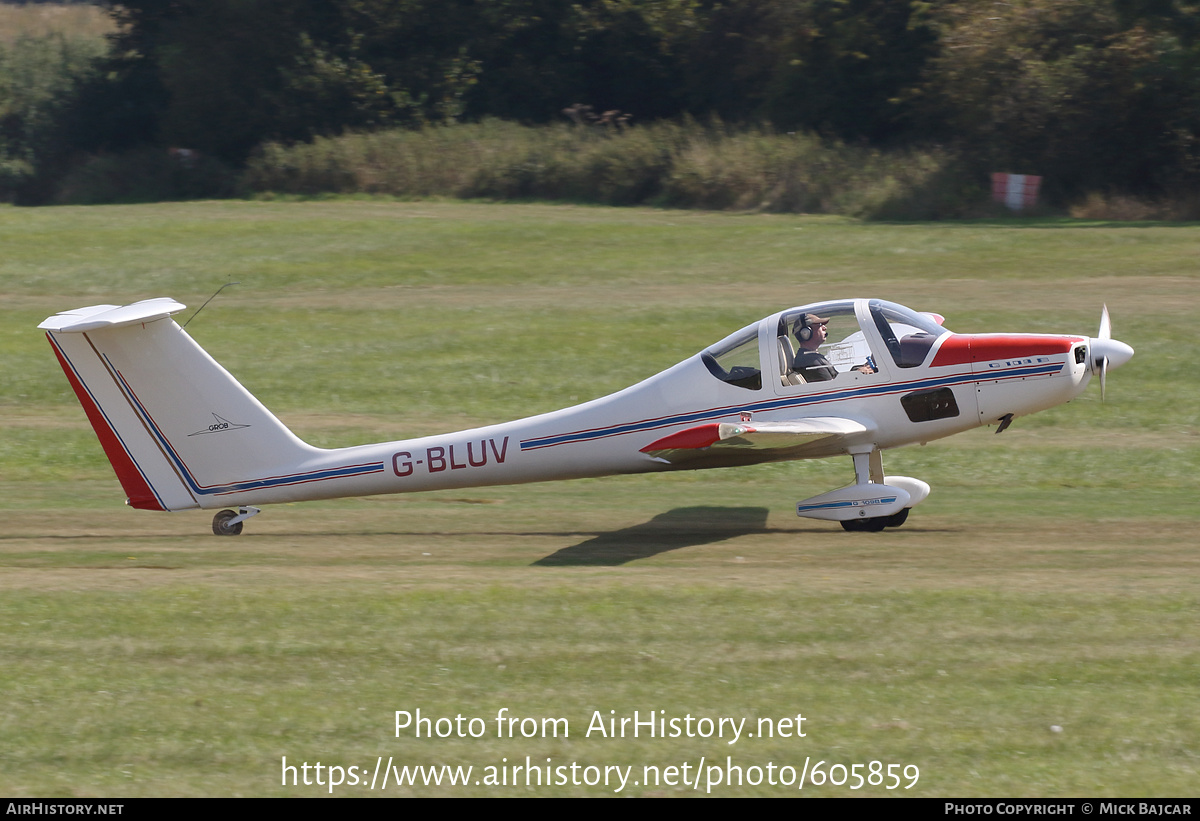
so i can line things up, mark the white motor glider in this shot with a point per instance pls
(854, 376)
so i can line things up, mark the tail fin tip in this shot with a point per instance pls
(95, 317)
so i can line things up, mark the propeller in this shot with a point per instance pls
(1106, 351)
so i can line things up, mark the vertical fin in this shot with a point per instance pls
(179, 430)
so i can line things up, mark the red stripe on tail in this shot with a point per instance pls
(134, 484)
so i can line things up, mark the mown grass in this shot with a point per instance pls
(1049, 582)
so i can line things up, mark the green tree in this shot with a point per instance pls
(38, 77)
(835, 66)
(224, 75)
(1075, 91)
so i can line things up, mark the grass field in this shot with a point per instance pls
(1032, 630)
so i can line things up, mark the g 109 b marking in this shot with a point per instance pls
(1014, 363)
(439, 458)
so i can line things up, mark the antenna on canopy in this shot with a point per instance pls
(210, 299)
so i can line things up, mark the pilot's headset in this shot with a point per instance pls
(802, 328)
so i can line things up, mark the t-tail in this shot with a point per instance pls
(179, 430)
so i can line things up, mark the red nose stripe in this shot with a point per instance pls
(963, 348)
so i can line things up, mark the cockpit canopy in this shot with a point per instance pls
(858, 336)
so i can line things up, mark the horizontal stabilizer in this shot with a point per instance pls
(95, 317)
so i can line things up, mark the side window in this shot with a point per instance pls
(807, 356)
(909, 336)
(736, 361)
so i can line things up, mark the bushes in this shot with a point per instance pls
(493, 159)
(683, 165)
(146, 174)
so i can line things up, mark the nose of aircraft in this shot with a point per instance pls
(1116, 352)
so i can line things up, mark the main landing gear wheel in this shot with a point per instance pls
(221, 525)
(864, 525)
(877, 524)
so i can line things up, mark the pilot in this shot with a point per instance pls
(810, 331)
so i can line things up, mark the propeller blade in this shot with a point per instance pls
(1107, 352)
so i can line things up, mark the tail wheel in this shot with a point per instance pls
(221, 525)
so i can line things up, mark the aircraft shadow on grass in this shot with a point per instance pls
(673, 530)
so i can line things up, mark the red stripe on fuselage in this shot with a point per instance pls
(132, 482)
(960, 349)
